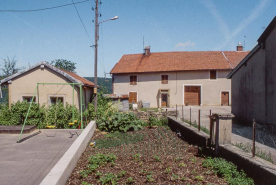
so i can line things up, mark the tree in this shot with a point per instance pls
(9, 67)
(64, 64)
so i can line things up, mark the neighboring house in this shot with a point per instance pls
(254, 82)
(169, 78)
(22, 86)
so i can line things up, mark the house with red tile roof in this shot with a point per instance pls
(22, 86)
(184, 78)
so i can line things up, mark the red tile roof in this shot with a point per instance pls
(83, 80)
(178, 61)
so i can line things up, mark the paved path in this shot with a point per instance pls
(27, 163)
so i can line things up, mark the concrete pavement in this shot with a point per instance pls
(27, 163)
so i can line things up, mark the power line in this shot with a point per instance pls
(42, 9)
(82, 21)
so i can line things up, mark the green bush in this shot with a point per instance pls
(121, 122)
(153, 121)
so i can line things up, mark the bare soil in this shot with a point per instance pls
(160, 157)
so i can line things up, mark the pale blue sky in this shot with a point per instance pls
(167, 25)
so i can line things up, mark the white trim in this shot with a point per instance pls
(216, 75)
(168, 79)
(183, 92)
(136, 80)
(136, 93)
(56, 95)
(229, 99)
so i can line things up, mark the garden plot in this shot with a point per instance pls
(154, 156)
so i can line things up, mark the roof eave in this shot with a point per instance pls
(250, 54)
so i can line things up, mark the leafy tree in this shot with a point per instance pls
(64, 64)
(9, 67)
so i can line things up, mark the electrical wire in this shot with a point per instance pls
(42, 9)
(82, 22)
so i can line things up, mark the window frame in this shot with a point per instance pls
(165, 80)
(216, 75)
(55, 96)
(28, 96)
(133, 80)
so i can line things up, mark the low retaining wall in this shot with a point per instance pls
(189, 133)
(64, 167)
(263, 172)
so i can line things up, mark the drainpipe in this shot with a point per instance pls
(1, 94)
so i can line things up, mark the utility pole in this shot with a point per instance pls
(96, 57)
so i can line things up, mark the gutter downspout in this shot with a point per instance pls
(1, 94)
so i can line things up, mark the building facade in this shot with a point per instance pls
(22, 86)
(254, 82)
(167, 79)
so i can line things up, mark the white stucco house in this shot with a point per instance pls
(183, 78)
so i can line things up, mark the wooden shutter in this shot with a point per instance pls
(213, 75)
(133, 80)
(132, 97)
(164, 79)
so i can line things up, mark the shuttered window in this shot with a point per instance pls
(213, 75)
(133, 80)
(164, 79)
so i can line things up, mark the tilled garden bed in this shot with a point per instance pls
(148, 156)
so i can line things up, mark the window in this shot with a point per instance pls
(28, 99)
(133, 80)
(164, 79)
(213, 75)
(55, 100)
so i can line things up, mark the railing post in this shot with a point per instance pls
(190, 116)
(176, 112)
(167, 112)
(182, 113)
(199, 120)
(253, 139)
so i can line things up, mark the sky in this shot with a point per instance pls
(175, 25)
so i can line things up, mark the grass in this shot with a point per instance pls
(258, 152)
(195, 124)
(147, 109)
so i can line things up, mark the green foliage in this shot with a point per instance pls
(130, 180)
(147, 109)
(85, 183)
(258, 152)
(117, 139)
(109, 178)
(64, 64)
(157, 158)
(121, 174)
(227, 170)
(150, 178)
(104, 83)
(153, 121)
(168, 170)
(55, 114)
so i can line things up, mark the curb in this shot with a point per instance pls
(64, 167)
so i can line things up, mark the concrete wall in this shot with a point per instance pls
(24, 85)
(253, 87)
(149, 84)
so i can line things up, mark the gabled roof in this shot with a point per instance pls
(261, 44)
(178, 61)
(73, 77)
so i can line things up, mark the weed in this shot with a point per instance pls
(136, 157)
(227, 170)
(98, 174)
(199, 178)
(141, 164)
(177, 159)
(109, 178)
(121, 174)
(182, 165)
(193, 159)
(168, 170)
(174, 177)
(130, 180)
(150, 179)
(84, 173)
(156, 158)
(85, 183)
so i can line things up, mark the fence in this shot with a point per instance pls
(257, 139)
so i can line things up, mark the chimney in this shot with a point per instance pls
(147, 50)
(239, 47)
